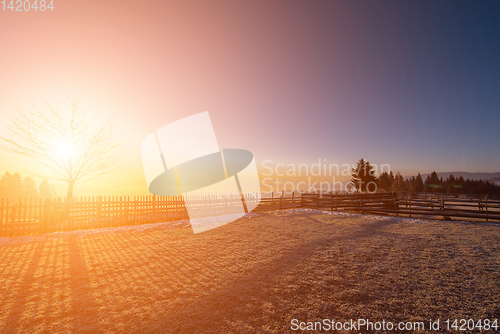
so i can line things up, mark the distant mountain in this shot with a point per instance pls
(466, 175)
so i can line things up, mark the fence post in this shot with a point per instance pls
(281, 199)
(361, 203)
(127, 202)
(486, 206)
(154, 208)
(66, 202)
(396, 206)
(210, 203)
(25, 208)
(409, 203)
(1, 217)
(7, 224)
(47, 214)
(99, 209)
(15, 226)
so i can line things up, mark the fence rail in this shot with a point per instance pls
(406, 205)
(28, 216)
(279, 200)
(36, 215)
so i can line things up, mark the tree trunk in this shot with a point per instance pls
(69, 196)
(71, 181)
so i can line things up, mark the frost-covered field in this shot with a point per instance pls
(253, 275)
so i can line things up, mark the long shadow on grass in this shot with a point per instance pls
(22, 293)
(84, 309)
(223, 304)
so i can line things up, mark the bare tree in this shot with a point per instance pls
(65, 140)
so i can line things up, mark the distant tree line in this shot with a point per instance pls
(365, 180)
(13, 187)
(433, 183)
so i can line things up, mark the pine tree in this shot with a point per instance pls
(398, 184)
(16, 187)
(45, 189)
(433, 183)
(419, 184)
(29, 187)
(427, 186)
(461, 184)
(451, 184)
(411, 184)
(53, 191)
(363, 177)
(385, 181)
(5, 185)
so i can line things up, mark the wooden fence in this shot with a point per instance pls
(35, 215)
(350, 202)
(411, 205)
(279, 200)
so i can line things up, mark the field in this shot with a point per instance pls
(251, 276)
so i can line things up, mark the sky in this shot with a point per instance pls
(412, 84)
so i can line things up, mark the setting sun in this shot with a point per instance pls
(65, 150)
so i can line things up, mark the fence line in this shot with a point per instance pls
(37, 215)
(406, 205)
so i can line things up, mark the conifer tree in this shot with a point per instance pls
(419, 183)
(45, 189)
(363, 177)
(29, 187)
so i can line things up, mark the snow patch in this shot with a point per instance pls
(409, 220)
(333, 213)
(197, 224)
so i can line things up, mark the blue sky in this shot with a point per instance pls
(413, 84)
